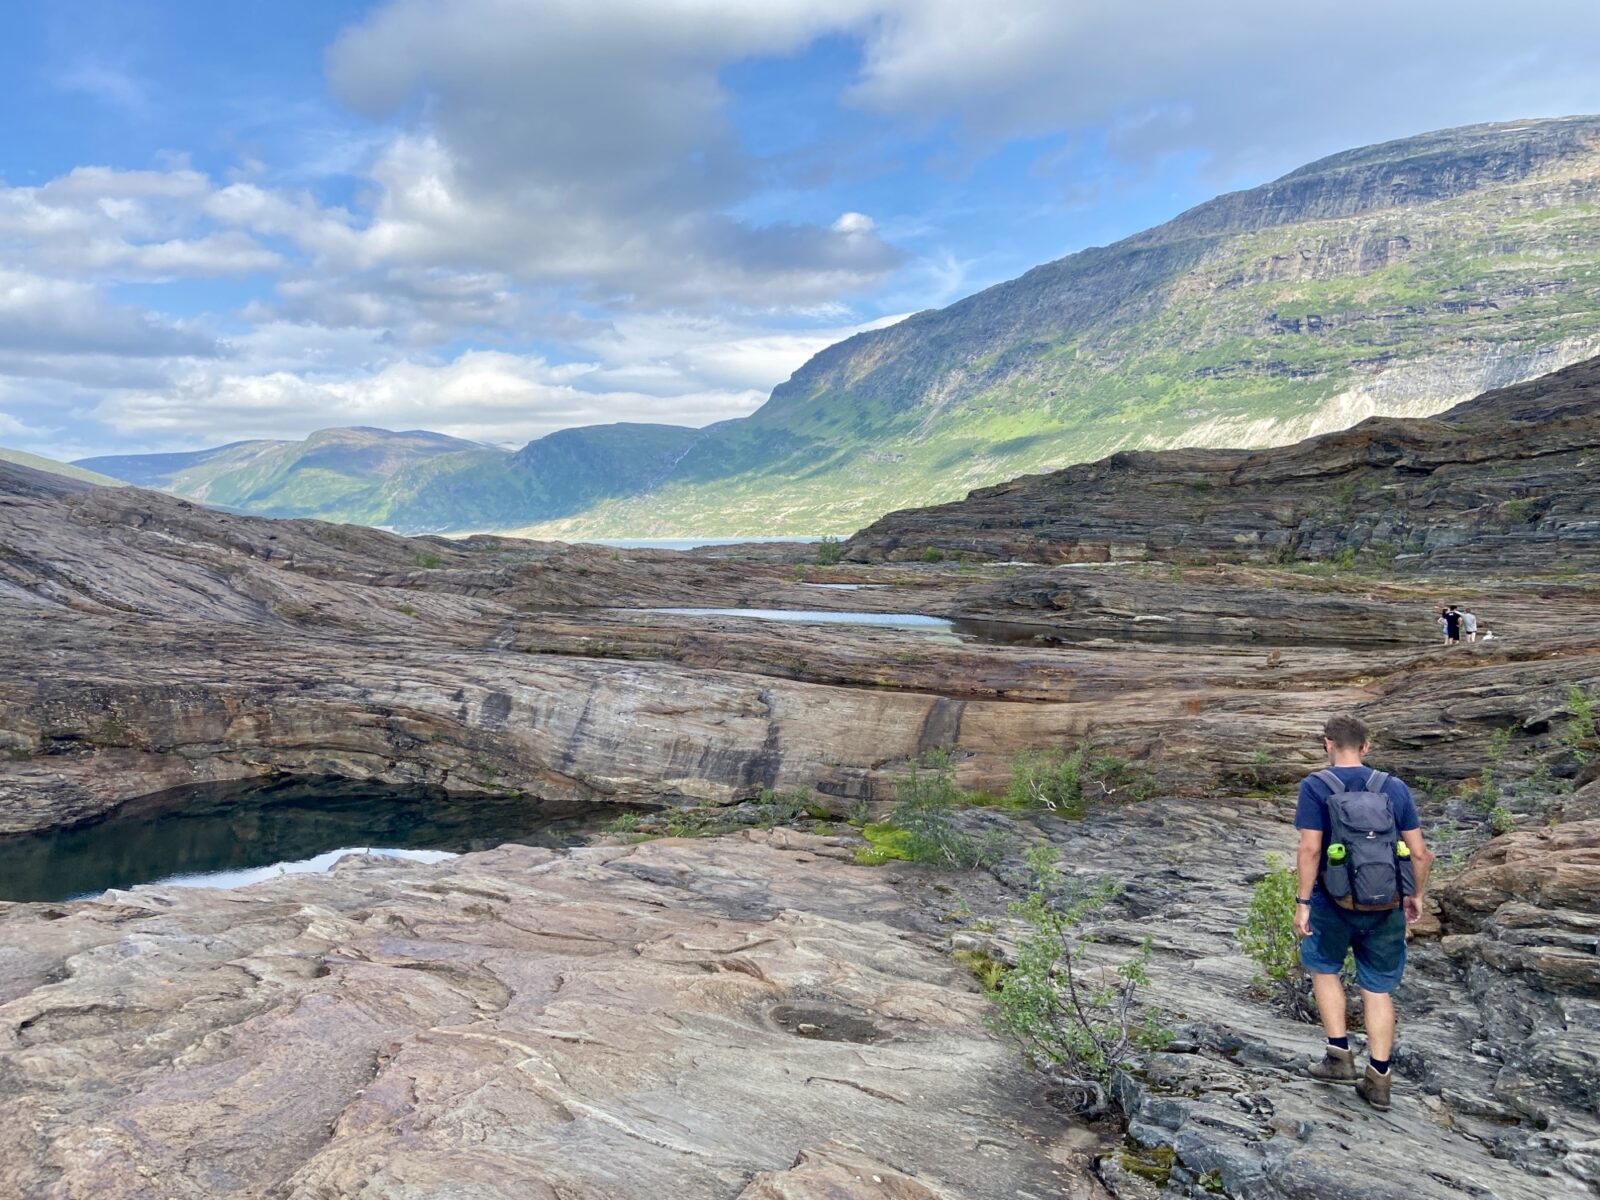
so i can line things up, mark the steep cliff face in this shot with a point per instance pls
(1503, 481)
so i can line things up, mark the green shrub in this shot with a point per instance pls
(932, 555)
(699, 822)
(925, 800)
(781, 808)
(1578, 733)
(1074, 1023)
(428, 560)
(1069, 782)
(1486, 796)
(1268, 937)
(1345, 558)
(829, 551)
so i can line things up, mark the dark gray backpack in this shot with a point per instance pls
(1362, 863)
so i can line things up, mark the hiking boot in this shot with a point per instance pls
(1339, 1066)
(1374, 1088)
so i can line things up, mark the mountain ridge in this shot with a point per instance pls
(1390, 279)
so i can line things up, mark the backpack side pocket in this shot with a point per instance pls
(1336, 879)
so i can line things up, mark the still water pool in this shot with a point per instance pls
(225, 835)
(815, 617)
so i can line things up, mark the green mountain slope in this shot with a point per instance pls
(334, 473)
(40, 463)
(551, 478)
(1396, 279)
(417, 481)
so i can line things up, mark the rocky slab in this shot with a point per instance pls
(674, 1019)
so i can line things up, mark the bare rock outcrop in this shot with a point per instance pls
(1501, 483)
(673, 1019)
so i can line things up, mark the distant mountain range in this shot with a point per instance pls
(1396, 279)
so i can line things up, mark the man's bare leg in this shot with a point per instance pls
(1330, 1004)
(1378, 1014)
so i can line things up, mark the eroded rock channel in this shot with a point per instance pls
(758, 1015)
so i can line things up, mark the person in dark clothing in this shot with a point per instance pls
(1328, 928)
(1452, 625)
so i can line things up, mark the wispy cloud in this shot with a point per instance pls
(114, 86)
(514, 215)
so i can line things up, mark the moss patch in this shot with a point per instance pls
(1153, 1163)
(884, 842)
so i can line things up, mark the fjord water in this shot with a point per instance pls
(225, 835)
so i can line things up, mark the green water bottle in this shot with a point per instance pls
(1336, 879)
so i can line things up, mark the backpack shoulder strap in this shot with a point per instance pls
(1376, 782)
(1332, 782)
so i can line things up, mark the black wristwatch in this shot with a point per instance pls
(1305, 900)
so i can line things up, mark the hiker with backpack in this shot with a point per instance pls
(1362, 867)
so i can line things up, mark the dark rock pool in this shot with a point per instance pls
(226, 835)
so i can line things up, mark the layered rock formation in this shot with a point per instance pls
(1501, 483)
(152, 643)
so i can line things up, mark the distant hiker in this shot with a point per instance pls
(1488, 636)
(1362, 868)
(1452, 625)
(1469, 626)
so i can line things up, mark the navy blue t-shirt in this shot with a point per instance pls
(1311, 810)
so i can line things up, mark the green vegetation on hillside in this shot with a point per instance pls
(1260, 326)
(1399, 279)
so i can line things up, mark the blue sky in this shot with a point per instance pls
(497, 218)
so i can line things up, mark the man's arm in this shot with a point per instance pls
(1308, 861)
(1421, 860)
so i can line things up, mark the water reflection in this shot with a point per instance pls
(239, 829)
(813, 617)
